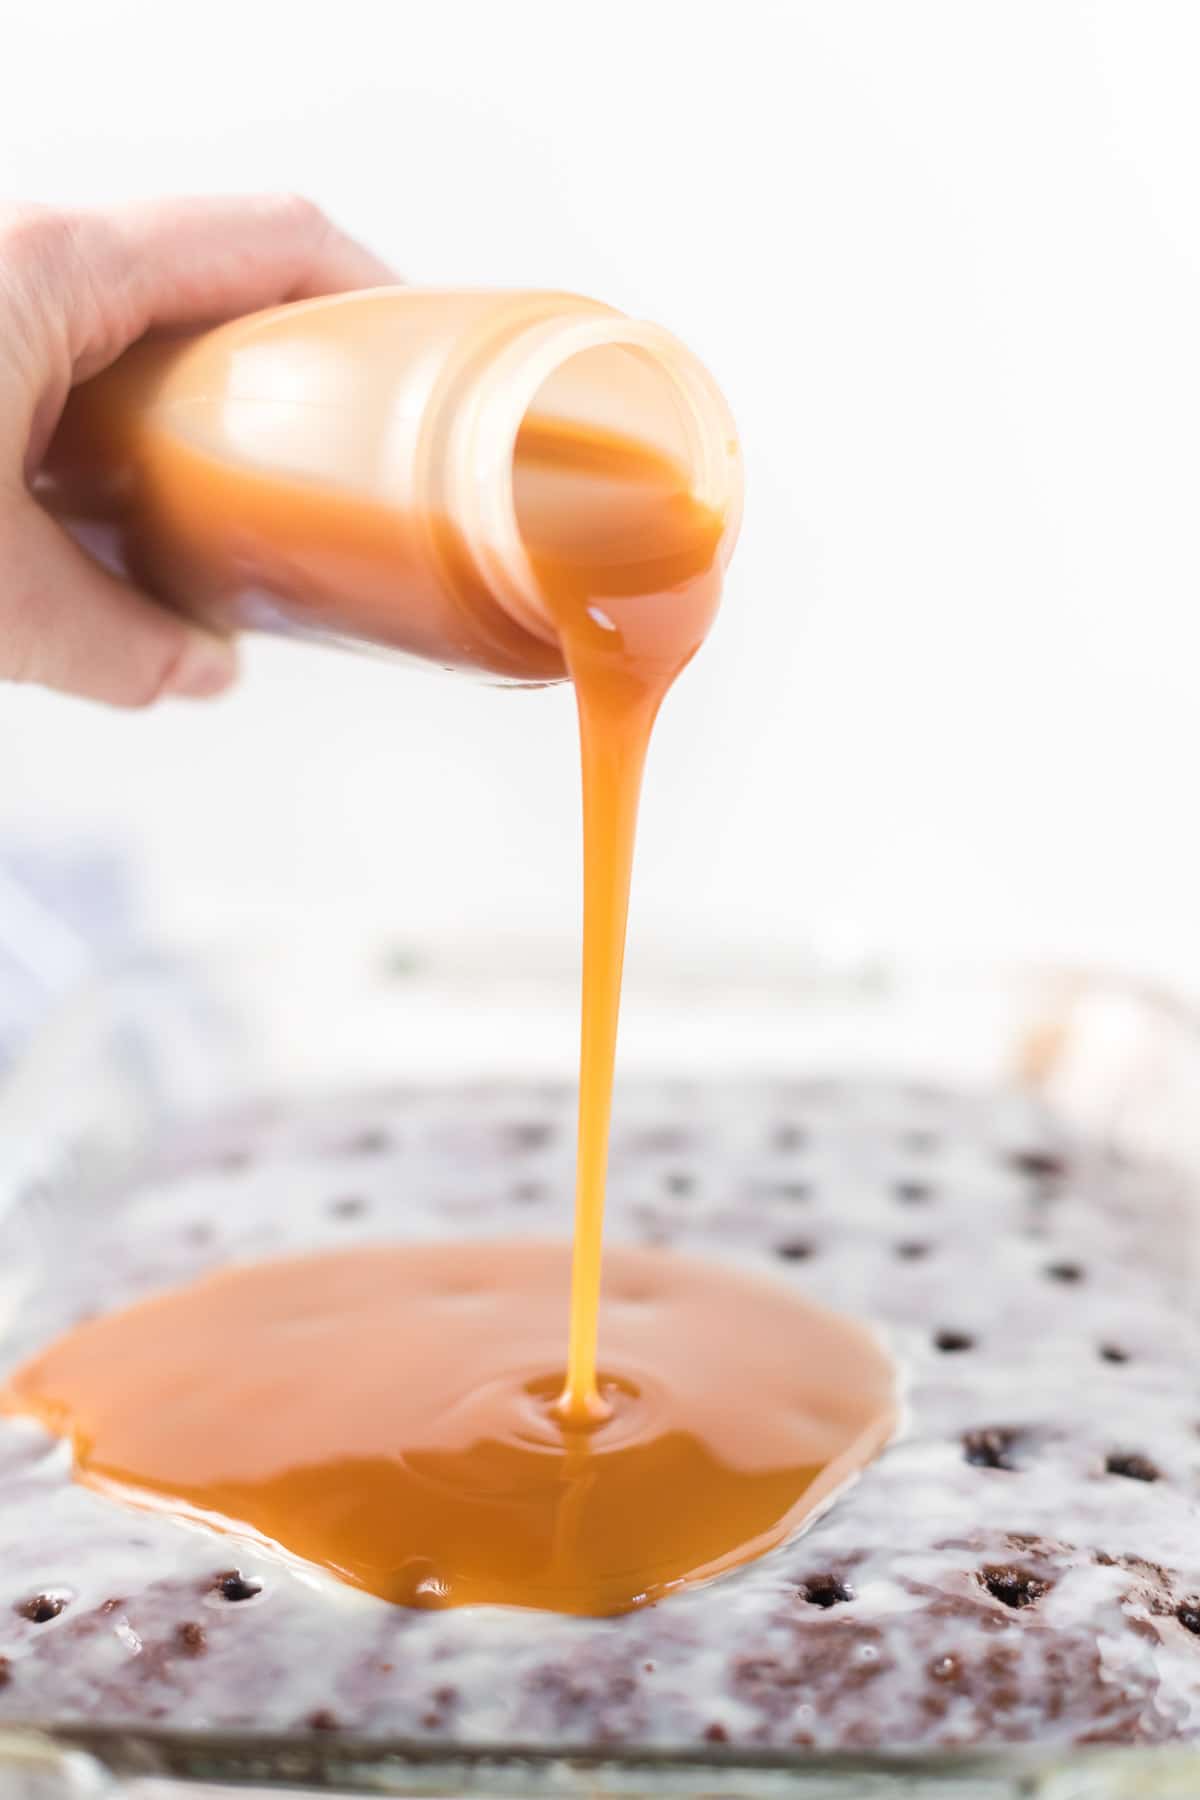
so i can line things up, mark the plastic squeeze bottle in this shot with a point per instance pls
(349, 466)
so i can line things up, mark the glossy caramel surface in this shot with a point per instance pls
(388, 1413)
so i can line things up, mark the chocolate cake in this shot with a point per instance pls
(1022, 1564)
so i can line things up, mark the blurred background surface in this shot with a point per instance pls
(945, 261)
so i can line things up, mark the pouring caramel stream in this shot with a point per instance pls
(400, 1416)
(629, 565)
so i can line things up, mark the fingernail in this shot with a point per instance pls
(206, 666)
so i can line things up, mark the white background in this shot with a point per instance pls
(944, 259)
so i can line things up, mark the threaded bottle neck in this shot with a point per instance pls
(599, 368)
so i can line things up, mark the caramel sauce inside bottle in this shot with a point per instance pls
(402, 1416)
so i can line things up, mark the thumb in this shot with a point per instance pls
(66, 623)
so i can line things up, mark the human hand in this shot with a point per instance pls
(76, 289)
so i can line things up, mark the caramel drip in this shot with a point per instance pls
(401, 1416)
(628, 563)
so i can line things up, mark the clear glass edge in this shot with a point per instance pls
(166, 1035)
(75, 1760)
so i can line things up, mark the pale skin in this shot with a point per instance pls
(77, 288)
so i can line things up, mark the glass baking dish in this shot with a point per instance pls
(142, 1047)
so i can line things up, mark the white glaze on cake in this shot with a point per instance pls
(1041, 1250)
